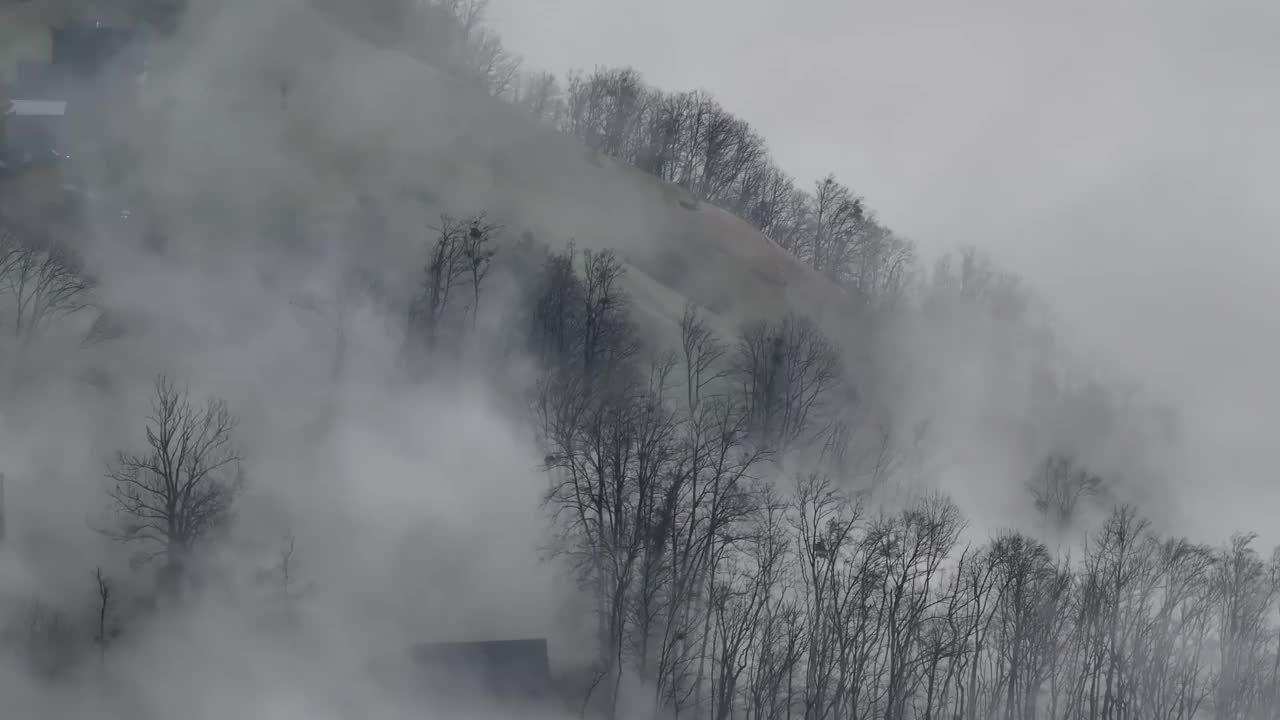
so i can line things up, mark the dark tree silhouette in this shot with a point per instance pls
(181, 488)
(40, 280)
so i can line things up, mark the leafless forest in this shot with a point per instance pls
(746, 511)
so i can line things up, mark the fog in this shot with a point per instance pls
(1116, 156)
(1122, 182)
(411, 512)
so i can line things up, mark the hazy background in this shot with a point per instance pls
(1115, 157)
(1120, 156)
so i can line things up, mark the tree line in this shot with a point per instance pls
(689, 139)
(724, 579)
(729, 582)
(686, 138)
(732, 592)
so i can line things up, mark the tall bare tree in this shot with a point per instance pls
(1058, 486)
(608, 338)
(786, 371)
(105, 592)
(459, 261)
(702, 355)
(181, 488)
(477, 252)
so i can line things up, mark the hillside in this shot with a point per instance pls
(260, 421)
(260, 125)
(216, 129)
(556, 188)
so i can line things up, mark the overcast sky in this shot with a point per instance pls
(1122, 156)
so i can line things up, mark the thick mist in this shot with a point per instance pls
(1112, 156)
(382, 510)
(410, 513)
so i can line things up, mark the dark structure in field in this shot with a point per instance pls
(505, 670)
(514, 674)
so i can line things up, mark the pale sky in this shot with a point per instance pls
(1122, 156)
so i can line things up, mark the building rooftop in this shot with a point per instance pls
(497, 672)
(38, 108)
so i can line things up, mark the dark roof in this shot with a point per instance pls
(38, 108)
(503, 669)
(498, 672)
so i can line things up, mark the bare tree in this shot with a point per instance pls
(702, 354)
(604, 110)
(911, 550)
(729, 147)
(445, 271)
(786, 371)
(838, 224)
(554, 310)
(42, 281)
(449, 34)
(826, 521)
(478, 252)
(579, 317)
(611, 452)
(608, 338)
(663, 127)
(286, 565)
(471, 50)
(540, 95)
(181, 488)
(1246, 598)
(1058, 487)
(461, 256)
(713, 506)
(102, 635)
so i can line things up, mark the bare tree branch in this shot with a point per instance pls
(172, 495)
